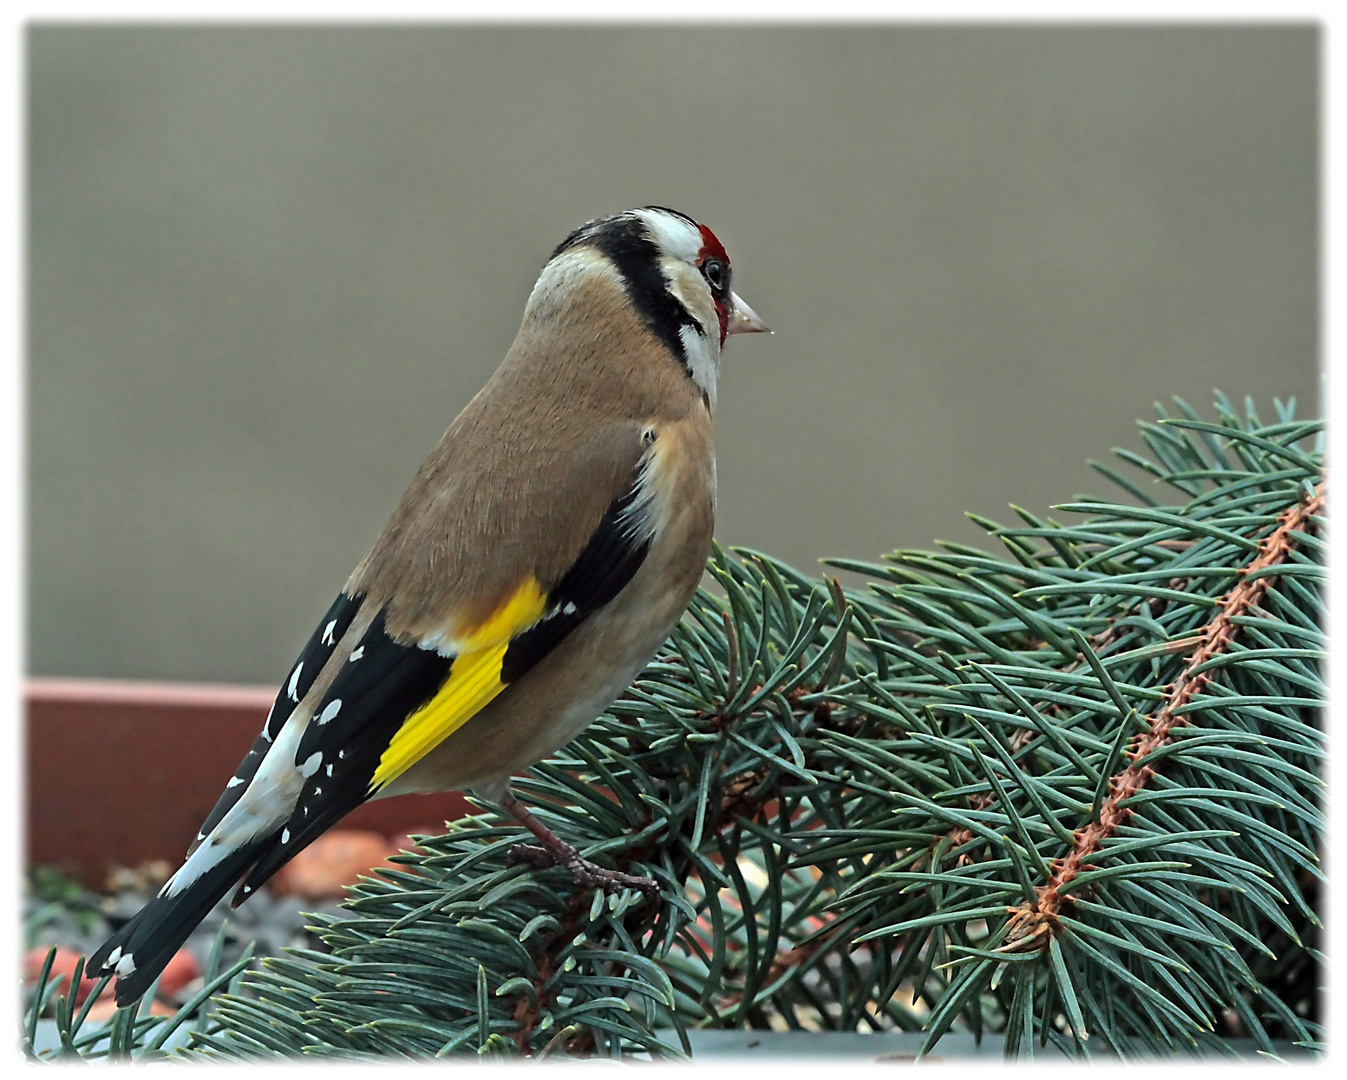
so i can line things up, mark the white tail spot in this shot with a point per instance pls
(292, 691)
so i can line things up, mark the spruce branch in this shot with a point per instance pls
(1273, 550)
(1067, 794)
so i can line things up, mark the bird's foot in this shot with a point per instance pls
(554, 851)
(586, 873)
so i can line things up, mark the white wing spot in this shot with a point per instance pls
(329, 770)
(311, 764)
(285, 836)
(333, 707)
(327, 632)
(317, 791)
(248, 889)
(293, 690)
(357, 653)
(266, 724)
(569, 609)
(341, 753)
(234, 781)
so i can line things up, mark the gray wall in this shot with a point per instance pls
(267, 266)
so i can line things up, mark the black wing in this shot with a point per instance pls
(387, 681)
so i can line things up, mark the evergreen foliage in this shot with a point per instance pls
(1069, 794)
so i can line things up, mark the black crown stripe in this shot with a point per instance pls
(625, 243)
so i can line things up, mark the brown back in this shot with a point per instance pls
(523, 476)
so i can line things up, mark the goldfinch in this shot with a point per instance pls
(541, 555)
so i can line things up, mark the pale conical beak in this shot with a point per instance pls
(744, 320)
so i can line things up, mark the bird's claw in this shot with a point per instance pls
(586, 873)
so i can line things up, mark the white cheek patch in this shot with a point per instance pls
(703, 360)
(688, 287)
(701, 350)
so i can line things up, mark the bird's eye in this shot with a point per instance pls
(714, 271)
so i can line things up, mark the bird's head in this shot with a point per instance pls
(673, 271)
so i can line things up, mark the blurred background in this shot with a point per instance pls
(267, 266)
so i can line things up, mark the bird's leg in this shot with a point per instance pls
(556, 852)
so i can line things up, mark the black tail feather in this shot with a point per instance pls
(156, 932)
(274, 855)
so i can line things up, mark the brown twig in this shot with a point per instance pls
(1031, 922)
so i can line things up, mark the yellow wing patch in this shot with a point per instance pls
(474, 679)
(519, 612)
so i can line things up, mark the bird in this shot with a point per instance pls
(540, 556)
